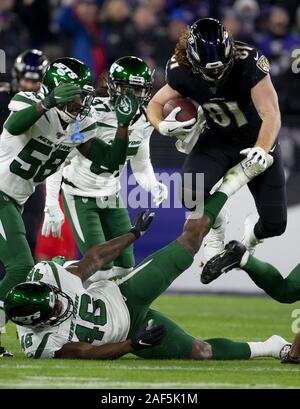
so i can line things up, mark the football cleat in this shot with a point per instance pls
(278, 346)
(214, 241)
(4, 353)
(228, 259)
(249, 239)
(285, 357)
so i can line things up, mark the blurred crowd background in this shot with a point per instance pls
(100, 31)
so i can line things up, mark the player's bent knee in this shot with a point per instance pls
(201, 350)
(277, 229)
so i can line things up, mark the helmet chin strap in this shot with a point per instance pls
(64, 116)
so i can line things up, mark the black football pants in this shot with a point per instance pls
(213, 157)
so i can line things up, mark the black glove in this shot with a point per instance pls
(149, 336)
(142, 222)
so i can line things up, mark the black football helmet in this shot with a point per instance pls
(210, 50)
(30, 64)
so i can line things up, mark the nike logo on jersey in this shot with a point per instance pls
(223, 270)
(256, 57)
(144, 343)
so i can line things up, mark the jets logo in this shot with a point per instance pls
(125, 107)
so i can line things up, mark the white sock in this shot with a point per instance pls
(260, 349)
(2, 318)
(245, 259)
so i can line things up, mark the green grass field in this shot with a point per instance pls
(238, 318)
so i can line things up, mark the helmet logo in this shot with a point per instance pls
(62, 70)
(116, 67)
(136, 80)
(192, 46)
(27, 320)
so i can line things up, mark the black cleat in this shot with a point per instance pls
(4, 353)
(223, 262)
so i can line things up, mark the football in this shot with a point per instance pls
(188, 109)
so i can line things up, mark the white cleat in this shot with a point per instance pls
(249, 239)
(214, 241)
(278, 346)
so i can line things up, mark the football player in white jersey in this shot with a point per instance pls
(58, 318)
(38, 135)
(90, 193)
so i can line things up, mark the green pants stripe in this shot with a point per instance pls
(15, 253)
(93, 223)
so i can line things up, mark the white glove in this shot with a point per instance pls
(159, 192)
(171, 127)
(54, 219)
(254, 168)
(256, 155)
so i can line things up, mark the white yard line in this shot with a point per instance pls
(84, 383)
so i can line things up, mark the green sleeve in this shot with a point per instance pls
(20, 121)
(108, 156)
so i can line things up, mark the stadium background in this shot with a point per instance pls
(98, 32)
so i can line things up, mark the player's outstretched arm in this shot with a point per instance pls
(83, 350)
(101, 254)
(108, 157)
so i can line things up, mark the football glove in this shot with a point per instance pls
(61, 95)
(256, 155)
(171, 127)
(149, 336)
(159, 192)
(53, 221)
(126, 107)
(142, 223)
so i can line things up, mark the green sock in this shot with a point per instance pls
(214, 204)
(269, 279)
(224, 349)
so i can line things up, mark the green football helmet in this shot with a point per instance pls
(34, 304)
(72, 71)
(130, 72)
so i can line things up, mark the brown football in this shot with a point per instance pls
(188, 109)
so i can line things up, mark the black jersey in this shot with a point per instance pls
(229, 109)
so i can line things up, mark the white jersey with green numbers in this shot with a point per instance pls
(28, 159)
(100, 315)
(85, 178)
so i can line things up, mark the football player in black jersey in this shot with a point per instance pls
(231, 81)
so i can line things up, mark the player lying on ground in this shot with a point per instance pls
(42, 129)
(58, 318)
(264, 275)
